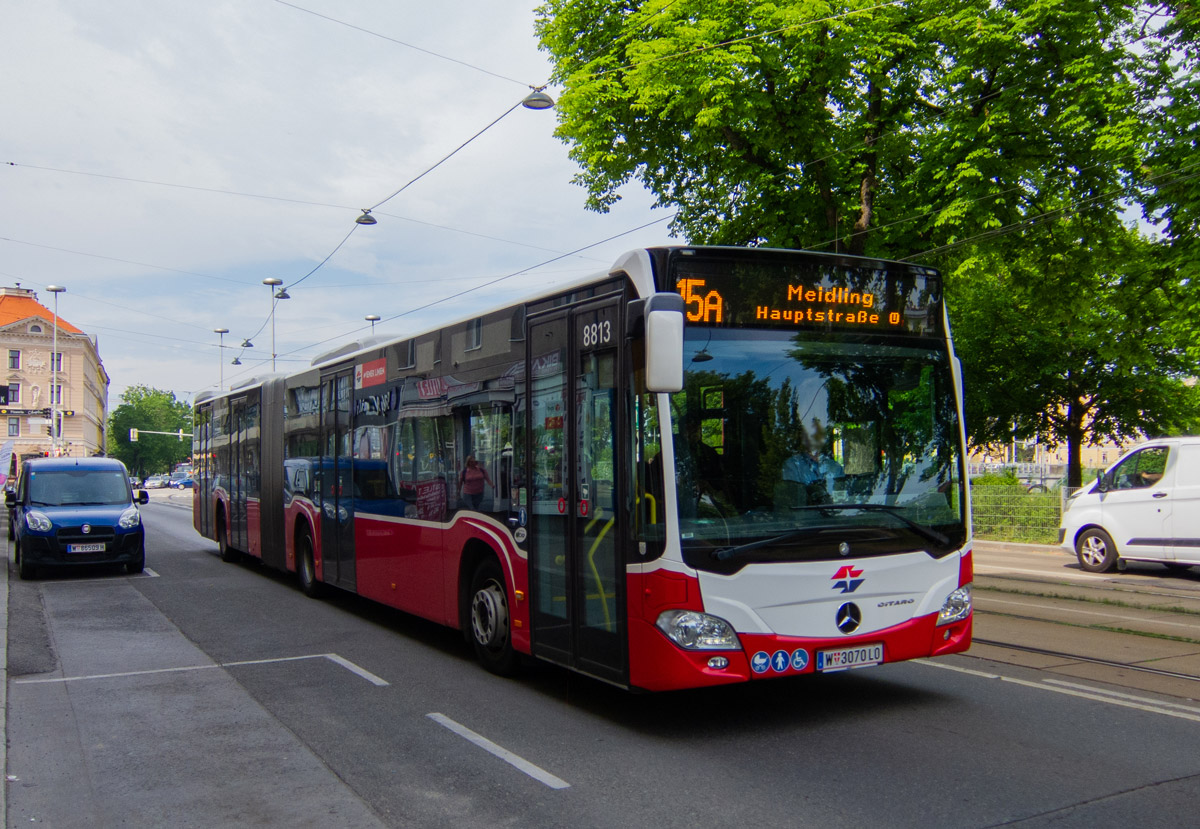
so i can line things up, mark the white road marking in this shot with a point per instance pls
(538, 774)
(1120, 695)
(332, 657)
(1123, 700)
(355, 669)
(1085, 612)
(114, 579)
(1075, 575)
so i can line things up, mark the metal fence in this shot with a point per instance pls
(1015, 513)
(1019, 502)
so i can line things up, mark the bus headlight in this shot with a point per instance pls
(696, 631)
(130, 518)
(38, 522)
(957, 606)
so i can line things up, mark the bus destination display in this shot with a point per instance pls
(827, 298)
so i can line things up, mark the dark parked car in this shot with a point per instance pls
(73, 511)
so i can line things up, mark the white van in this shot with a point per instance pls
(1145, 507)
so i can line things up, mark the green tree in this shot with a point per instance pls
(149, 410)
(856, 126)
(1171, 182)
(1063, 338)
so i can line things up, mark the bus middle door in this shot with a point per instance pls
(337, 481)
(577, 572)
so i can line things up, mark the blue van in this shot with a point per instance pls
(74, 511)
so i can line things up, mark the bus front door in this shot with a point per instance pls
(577, 573)
(336, 482)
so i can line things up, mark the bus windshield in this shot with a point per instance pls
(791, 445)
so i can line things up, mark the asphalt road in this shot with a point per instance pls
(209, 694)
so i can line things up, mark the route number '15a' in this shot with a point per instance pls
(597, 333)
(701, 307)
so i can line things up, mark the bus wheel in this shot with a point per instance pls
(306, 567)
(227, 553)
(1096, 551)
(490, 624)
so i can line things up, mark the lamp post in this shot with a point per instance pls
(372, 318)
(271, 282)
(54, 395)
(221, 355)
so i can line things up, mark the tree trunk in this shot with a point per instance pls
(1075, 414)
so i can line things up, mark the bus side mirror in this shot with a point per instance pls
(664, 342)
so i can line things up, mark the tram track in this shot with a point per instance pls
(1088, 659)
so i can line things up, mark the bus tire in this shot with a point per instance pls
(306, 567)
(1096, 551)
(491, 625)
(228, 554)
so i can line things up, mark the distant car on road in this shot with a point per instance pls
(155, 482)
(76, 511)
(183, 483)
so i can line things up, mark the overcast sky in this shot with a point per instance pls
(160, 158)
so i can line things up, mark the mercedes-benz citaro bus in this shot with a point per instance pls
(702, 466)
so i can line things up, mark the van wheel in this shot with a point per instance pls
(1096, 551)
(24, 569)
(138, 564)
(306, 567)
(491, 627)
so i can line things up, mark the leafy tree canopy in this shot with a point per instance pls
(1067, 343)
(149, 410)
(876, 128)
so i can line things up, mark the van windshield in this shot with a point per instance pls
(78, 487)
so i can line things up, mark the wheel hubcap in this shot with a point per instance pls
(489, 616)
(1094, 551)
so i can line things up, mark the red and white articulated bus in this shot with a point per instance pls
(704, 466)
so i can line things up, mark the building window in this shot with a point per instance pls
(56, 361)
(35, 329)
(14, 358)
(14, 427)
(475, 334)
(408, 354)
(56, 395)
(14, 393)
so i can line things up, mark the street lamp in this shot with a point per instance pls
(54, 361)
(372, 318)
(271, 282)
(221, 355)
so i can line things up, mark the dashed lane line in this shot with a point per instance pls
(539, 774)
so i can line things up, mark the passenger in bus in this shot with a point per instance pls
(471, 481)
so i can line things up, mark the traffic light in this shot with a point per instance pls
(50, 430)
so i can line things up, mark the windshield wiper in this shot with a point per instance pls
(729, 552)
(928, 533)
